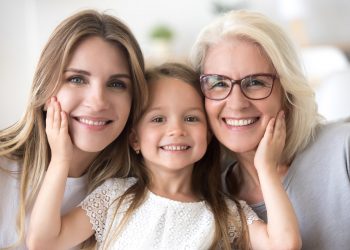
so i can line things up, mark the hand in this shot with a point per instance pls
(271, 145)
(57, 133)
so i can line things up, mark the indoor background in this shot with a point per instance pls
(167, 29)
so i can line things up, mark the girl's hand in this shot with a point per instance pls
(57, 132)
(271, 145)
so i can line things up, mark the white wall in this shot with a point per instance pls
(25, 25)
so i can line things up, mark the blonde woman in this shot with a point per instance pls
(94, 67)
(249, 72)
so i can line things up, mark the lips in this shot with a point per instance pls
(175, 147)
(240, 122)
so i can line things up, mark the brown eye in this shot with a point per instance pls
(191, 118)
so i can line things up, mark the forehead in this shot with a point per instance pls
(237, 58)
(172, 92)
(95, 51)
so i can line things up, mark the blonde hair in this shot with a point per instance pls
(299, 103)
(26, 141)
(206, 181)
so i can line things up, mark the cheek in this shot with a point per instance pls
(212, 108)
(122, 105)
(67, 99)
(273, 104)
(202, 134)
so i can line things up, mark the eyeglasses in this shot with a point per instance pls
(254, 87)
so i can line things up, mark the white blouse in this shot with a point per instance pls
(159, 223)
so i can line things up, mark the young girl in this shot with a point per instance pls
(174, 201)
(94, 66)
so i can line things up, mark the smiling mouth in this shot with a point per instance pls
(175, 147)
(92, 122)
(240, 122)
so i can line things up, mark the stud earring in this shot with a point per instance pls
(137, 151)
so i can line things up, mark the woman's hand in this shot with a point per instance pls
(57, 133)
(270, 148)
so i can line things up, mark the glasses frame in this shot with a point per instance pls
(239, 82)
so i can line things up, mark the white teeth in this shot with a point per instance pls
(175, 148)
(238, 123)
(92, 123)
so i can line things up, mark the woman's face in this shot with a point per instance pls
(96, 94)
(238, 122)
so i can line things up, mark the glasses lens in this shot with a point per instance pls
(258, 86)
(215, 87)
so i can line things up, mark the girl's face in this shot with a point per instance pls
(238, 122)
(172, 133)
(96, 94)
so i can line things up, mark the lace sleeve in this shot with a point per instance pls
(99, 201)
(248, 212)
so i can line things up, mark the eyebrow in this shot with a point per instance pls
(84, 72)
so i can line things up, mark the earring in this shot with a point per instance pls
(137, 151)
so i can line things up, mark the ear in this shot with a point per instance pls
(133, 140)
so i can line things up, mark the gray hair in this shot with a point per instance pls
(302, 117)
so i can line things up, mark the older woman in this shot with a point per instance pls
(250, 71)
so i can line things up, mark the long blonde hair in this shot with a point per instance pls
(302, 118)
(206, 181)
(26, 141)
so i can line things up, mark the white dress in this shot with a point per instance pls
(159, 223)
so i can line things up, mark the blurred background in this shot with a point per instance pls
(166, 30)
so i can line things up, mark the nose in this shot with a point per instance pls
(236, 100)
(176, 128)
(97, 97)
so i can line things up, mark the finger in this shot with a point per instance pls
(49, 115)
(280, 129)
(57, 116)
(64, 122)
(270, 128)
(278, 123)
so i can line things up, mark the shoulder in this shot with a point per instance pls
(9, 164)
(100, 201)
(10, 170)
(340, 129)
(115, 186)
(330, 137)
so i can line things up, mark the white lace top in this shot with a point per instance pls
(159, 223)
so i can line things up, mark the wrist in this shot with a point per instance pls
(60, 162)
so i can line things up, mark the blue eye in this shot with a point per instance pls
(219, 84)
(76, 80)
(257, 82)
(117, 84)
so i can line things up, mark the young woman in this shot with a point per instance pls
(94, 66)
(250, 72)
(175, 201)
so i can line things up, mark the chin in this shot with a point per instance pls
(242, 147)
(90, 147)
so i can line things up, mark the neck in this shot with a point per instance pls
(250, 189)
(173, 184)
(80, 162)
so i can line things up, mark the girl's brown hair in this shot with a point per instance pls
(26, 141)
